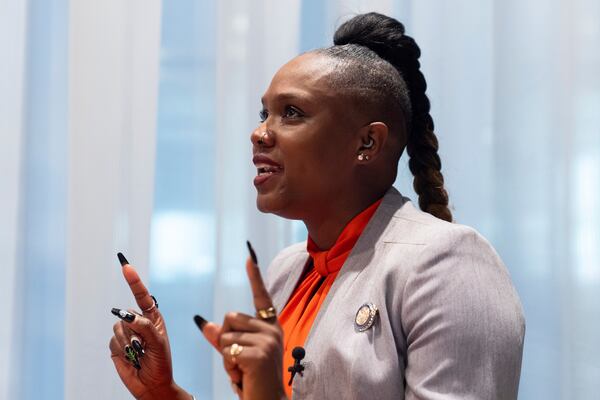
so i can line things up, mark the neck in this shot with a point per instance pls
(325, 228)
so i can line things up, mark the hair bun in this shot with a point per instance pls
(382, 34)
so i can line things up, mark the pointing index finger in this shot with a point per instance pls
(262, 299)
(140, 292)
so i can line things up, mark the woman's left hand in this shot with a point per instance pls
(259, 360)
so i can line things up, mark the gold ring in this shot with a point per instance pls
(266, 313)
(153, 306)
(236, 350)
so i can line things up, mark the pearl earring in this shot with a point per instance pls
(363, 157)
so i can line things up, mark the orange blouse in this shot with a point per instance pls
(298, 315)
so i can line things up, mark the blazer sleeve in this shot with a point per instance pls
(463, 322)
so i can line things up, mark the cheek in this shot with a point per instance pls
(319, 169)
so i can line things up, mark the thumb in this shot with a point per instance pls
(210, 330)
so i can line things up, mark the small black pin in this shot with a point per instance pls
(298, 354)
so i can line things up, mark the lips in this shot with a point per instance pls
(265, 168)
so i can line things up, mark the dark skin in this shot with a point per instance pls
(258, 367)
(155, 379)
(315, 135)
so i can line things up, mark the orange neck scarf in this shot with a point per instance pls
(298, 315)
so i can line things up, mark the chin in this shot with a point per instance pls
(262, 207)
(270, 204)
(266, 203)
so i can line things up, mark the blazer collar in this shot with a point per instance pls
(359, 257)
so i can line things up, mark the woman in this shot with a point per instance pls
(386, 300)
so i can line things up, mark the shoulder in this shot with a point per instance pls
(437, 238)
(450, 255)
(408, 224)
(460, 313)
(450, 251)
(447, 267)
(459, 278)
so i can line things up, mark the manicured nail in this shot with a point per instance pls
(130, 354)
(252, 253)
(124, 315)
(122, 259)
(137, 346)
(200, 322)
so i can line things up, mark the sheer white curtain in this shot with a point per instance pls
(78, 101)
(12, 40)
(33, 205)
(113, 75)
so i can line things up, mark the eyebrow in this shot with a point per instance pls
(289, 96)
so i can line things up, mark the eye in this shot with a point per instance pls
(292, 112)
(263, 115)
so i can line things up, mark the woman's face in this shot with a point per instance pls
(306, 165)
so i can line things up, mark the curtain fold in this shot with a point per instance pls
(36, 340)
(77, 108)
(13, 39)
(113, 84)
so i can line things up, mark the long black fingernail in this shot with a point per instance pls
(252, 253)
(124, 315)
(130, 354)
(200, 322)
(122, 259)
(137, 346)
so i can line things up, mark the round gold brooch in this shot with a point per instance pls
(365, 316)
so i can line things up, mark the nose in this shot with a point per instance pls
(262, 137)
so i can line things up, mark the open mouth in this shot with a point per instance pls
(267, 170)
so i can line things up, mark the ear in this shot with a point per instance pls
(372, 139)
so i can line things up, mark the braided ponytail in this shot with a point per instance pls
(385, 36)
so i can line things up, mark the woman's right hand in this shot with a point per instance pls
(256, 369)
(153, 379)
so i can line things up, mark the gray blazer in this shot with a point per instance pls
(449, 325)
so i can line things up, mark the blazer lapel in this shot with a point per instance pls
(362, 254)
